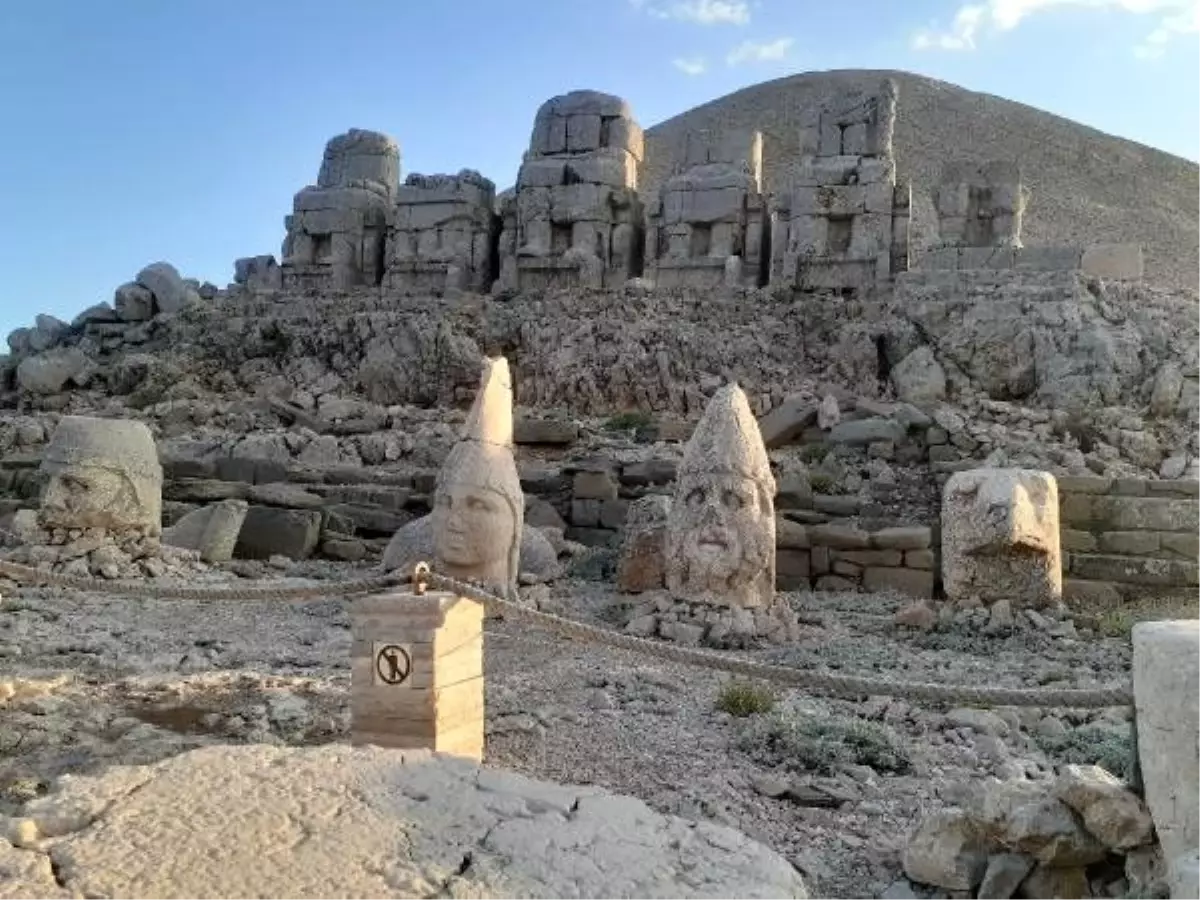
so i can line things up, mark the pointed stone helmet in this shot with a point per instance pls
(727, 441)
(483, 456)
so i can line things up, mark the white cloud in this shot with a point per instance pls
(693, 66)
(974, 20)
(753, 52)
(701, 12)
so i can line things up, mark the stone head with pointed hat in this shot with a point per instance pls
(720, 544)
(102, 473)
(478, 508)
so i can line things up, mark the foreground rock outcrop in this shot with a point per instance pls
(367, 822)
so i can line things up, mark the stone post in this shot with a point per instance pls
(416, 672)
(1166, 669)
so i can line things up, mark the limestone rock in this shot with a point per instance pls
(269, 531)
(785, 422)
(828, 412)
(96, 313)
(1026, 817)
(1005, 872)
(919, 378)
(133, 302)
(1168, 384)
(49, 372)
(1055, 881)
(1110, 810)
(413, 543)
(162, 280)
(1166, 668)
(947, 851)
(212, 531)
(641, 565)
(1000, 537)
(443, 824)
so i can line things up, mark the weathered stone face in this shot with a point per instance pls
(473, 527)
(478, 508)
(1000, 536)
(721, 528)
(102, 473)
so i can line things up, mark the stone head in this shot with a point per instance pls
(478, 508)
(721, 529)
(102, 473)
(999, 511)
(1000, 536)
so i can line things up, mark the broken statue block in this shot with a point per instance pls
(1000, 537)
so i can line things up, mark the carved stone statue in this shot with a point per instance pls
(478, 507)
(1000, 537)
(720, 545)
(102, 473)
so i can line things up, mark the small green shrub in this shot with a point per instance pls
(821, 483)
(745, 698)
(821, 745)
(628, 421)
(813, 453)
(1089, 745)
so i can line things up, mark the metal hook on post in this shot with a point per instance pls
(420, 578)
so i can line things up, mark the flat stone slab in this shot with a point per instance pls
(340, 821)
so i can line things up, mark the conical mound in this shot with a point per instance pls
(491, 420)
(727, 441)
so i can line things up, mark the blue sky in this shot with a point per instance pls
(139, 130)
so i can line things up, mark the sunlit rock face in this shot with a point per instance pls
(478, 505)
(102, 474)
(1000, 537)
(720, 544)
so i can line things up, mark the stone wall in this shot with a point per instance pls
(1125, 537)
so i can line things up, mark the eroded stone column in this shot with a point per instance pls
(1166, 675)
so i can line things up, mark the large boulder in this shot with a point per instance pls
(413, 543)
(133, 302)
(269, 531)
(212, 531)
(919, 378)
(171, 292)
(336, 821)
(49, 372)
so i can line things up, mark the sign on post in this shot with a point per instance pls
(416, 672)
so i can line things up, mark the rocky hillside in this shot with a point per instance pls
(1086, 186)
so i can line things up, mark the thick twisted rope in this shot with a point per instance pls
(32, 576)
(847, 686)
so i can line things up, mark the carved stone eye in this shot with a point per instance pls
(696, 496)
(733, 499)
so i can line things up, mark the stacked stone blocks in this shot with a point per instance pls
(1126, 537)
(843, 222)
(710, 224)
(337, 232)
(442, 234)
(576, 216)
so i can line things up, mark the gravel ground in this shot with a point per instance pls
(88, 681)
